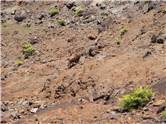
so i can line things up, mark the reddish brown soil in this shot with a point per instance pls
(79, 72)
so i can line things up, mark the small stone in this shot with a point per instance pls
(82, 60)
(44, 61)
(19, 18)
(148, 53)
(92, 37)
(145, 109)
(13, 12)
(34, 40)
(34, 110)
(69, 5)
(101, 6)
(39, 22)
(2, 78)
(50, 25)
(20, 15)
(92, 51)
(41, 16)
(153, 39)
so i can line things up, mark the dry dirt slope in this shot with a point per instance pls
(83, 64)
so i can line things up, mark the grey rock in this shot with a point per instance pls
(70, 4)
(19, 18)
(20, 15)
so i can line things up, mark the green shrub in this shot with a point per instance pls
(139, 98)
(79, 11)
(28, 50)
(164, 10)
(53, 11)
(164, 114)
(61, 22)
(19, 62)
(123, 31)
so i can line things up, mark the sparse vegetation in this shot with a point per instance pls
(147, 1)
(164, 114)
(138, 98)
(123, 31)
(19, 62)
(79, 11)
(61, 22)
(28, 50)
(164, 10)
(104, 14)
(53, 11)
(77, 61)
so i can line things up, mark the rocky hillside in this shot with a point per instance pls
(72, 62)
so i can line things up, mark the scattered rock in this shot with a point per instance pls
(15, 115)
(59, 91)
(3, 121)
(101, 5)
(160, 39)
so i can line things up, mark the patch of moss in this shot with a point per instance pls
(53, 11)
(139, 98)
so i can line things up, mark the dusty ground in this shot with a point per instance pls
(80, 71)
